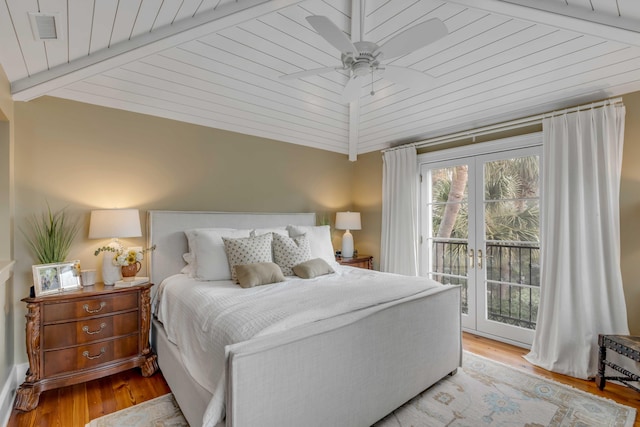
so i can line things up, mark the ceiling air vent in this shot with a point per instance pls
(45, 26)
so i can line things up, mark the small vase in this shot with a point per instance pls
(129, 271)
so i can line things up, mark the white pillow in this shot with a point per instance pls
(189, 268)
(247, 250)
(319, 237)
(208, 254)
(278, 230)
(290, 251)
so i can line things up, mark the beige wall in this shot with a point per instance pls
(83, 157)
(367, 199)
(6, 217)
(630, 211)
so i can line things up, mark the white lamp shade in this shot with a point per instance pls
(114, 223)
(348, 221)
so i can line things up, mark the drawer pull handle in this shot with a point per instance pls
(97, 310)
(86, 354)
(87, 331)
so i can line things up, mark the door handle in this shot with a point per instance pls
(471, 258)
(480, 259)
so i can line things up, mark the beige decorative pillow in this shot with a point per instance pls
(247, 250)
(290, 251)
(312, 268)
(260, 273)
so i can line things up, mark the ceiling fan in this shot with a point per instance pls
(363, 58)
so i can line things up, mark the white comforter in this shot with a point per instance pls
(223, 314)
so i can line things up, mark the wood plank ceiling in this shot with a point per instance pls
(217, 63)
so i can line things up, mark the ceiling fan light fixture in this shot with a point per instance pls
(361, 68)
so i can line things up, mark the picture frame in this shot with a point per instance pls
(56, 277)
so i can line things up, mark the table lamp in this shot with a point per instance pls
(347, 221)
(113, 224)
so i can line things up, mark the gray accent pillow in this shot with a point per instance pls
(290, 251)
(257, 274)
(312, 268)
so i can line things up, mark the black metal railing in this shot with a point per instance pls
(513, 278)
(451, 261)
(513, 283)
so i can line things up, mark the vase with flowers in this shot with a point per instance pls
(128, 259)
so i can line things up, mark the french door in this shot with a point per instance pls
(480, 222)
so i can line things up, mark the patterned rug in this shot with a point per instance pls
(162, 411)
(487, 393)
(482, 393)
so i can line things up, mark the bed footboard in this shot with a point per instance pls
(346, 373)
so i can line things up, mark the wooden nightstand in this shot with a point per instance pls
(360, 261)
(86, 334)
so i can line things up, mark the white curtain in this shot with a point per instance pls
(582, 294)
(399, 245)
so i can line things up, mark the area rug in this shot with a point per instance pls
(162, 411)
(487, 393)
(482, 393)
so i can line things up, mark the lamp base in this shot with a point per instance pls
(347, 245)
(110, 273)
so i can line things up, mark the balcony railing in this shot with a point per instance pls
(512, 274)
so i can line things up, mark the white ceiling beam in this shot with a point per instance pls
(580, 13)
(184, 31)
(354, 106)
(548, 17)
(354, 129)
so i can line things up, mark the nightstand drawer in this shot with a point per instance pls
(89, 330)
(362, 261)
(74, 359)
(89, 307)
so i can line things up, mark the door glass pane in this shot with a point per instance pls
(449, 202)
(513, 305)
(513, 263)
(449, 258)
(448, 235)
(512, 243)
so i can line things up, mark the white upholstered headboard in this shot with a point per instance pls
(165, 230)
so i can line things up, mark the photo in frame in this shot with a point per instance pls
(56, 277)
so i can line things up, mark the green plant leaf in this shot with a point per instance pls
(51, 235)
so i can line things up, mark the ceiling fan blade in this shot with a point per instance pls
(331, 33)
(413, 38)
(352, 90)
(408, 77)
(307, 73)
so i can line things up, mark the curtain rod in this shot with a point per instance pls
(505, 126)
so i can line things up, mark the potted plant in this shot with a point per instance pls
(51, 235)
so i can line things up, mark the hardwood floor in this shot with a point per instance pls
(74, 406)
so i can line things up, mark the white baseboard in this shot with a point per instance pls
(8, 392)
(497, 338)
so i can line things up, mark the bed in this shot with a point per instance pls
(332, 367)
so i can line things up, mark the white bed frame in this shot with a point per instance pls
(341, 371)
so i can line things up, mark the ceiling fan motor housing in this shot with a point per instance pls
(362, 62)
